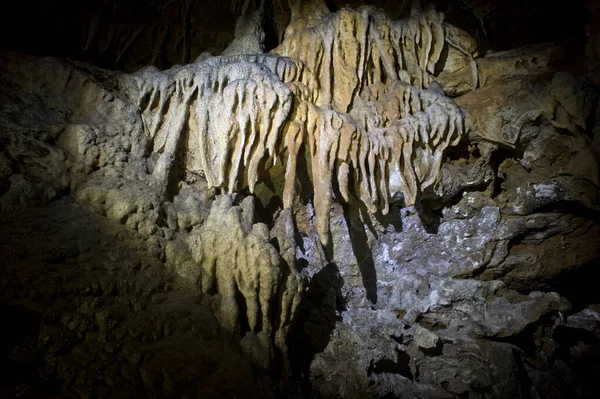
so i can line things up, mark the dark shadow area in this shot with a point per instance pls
(496, 159)
(315, 321)
(361, 249)
(304, 186)
(430, 322)
(178, 172)
(580, 350)
(393, 220)
(574, 208)
(123, 34)
(580, 287)
(357, 219)
(331, 5)
(89, 309)
(430, 217)
(524, 378)
(244, 325)
(571, 355)
(463, 152)
(569, 336)
(434, 351)
(263, 213)
(271, 37)
(25, 325)
(504, 25)
(442, 61)
(22, 327)
(526, 339)
(400, 366)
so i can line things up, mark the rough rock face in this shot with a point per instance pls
(371, 210)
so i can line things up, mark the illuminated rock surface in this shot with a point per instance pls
(347, 202)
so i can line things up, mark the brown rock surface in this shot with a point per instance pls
(373, 209)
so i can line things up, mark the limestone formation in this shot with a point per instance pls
(361, 118)
(245, 272)
(249, 34)
(372, 209)
(349, 50)
(232, 109)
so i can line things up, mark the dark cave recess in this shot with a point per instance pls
(128, 34)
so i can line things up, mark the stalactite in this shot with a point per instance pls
(245, 115)
(352, 49)
(351, 92)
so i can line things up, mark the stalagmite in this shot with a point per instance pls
(238, 262)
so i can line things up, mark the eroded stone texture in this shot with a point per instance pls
(456, 195)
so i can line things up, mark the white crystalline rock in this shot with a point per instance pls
(545, 190)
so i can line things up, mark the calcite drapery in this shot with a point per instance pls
(350, 90)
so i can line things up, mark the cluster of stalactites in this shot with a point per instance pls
(351, 49)
(235, 106)
(427, 121)
(401, 130)
(248, 111)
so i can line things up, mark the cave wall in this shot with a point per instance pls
(380, 199)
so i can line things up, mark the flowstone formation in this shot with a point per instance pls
(245, 112)
(371, 208)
